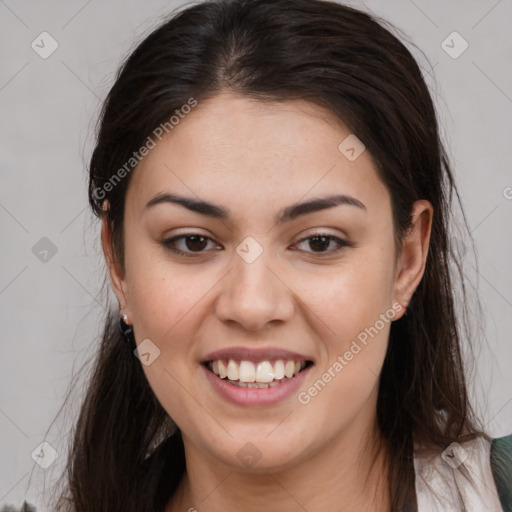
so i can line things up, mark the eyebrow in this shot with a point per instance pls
(285, 215)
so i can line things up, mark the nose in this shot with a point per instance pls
(254, 295)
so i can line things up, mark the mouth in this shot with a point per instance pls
(260, 374)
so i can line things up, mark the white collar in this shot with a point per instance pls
(438, 477)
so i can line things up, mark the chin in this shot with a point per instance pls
(259, 455)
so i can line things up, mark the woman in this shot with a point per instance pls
(275, 204)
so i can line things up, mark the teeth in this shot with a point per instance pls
(232, 370)
(264, 374)
(223, 373)
(279, 370)
(289, 369)
(246, 372)
(257, 384)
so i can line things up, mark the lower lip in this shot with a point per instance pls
(256, 396)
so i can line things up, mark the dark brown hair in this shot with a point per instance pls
(336, 57)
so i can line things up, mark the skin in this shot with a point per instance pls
(254, 159)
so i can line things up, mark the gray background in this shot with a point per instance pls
(50, 311)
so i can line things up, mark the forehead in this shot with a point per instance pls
(243, 151)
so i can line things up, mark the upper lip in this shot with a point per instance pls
(255, 354)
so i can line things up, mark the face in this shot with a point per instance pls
(264, 279)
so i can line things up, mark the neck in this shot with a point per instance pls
(341, 473)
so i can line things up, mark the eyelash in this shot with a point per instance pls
(168, 244)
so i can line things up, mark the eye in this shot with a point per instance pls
(320, 241)
(191, 243)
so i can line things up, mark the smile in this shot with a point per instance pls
(252, 375)
(250, 383)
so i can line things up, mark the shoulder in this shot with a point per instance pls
(460, 472)
(501, 466)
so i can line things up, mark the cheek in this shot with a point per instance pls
(354, 315)
(166, 306)
(352, 312)
(174, 389)
(351, 296)
(161, 294)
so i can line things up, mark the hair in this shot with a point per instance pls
(348, 62)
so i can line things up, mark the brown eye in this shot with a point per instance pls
(189, 244)
(194, 244)
(319, 243)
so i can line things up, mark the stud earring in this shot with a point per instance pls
(126, 329)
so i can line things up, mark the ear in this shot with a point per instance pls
(116, 275)
(411, 264)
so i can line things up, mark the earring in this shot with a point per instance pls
(126, 329)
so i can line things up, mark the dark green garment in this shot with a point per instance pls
(501, 465)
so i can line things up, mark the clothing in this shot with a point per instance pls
(488, 463)
(501, 466)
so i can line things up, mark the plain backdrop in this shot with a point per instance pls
(50, 302)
